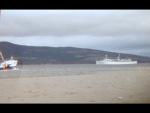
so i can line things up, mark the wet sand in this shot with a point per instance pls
(124, 86)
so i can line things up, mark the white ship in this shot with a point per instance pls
(7, 64)
(117, 61)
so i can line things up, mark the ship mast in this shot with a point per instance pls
(118, 57)
(1, 55)
(106, 56)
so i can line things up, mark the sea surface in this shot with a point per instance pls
(67, 70)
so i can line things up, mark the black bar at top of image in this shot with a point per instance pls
(74, 4)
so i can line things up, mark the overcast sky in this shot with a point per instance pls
(126, 31)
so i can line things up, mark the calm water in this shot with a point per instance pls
(66, 70)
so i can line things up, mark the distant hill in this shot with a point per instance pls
(59, 55)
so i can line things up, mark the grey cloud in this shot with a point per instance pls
(125, 30)
(97, 24)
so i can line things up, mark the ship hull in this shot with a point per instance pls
(8, 64)
(116, 63)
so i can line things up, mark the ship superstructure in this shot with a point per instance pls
(7, 64)
(116, 61)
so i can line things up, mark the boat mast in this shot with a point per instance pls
(1, 55)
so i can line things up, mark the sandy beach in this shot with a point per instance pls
(129, 86)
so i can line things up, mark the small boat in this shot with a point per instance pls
(117, 61)
(7, 64)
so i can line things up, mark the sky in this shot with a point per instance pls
(125, 31)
